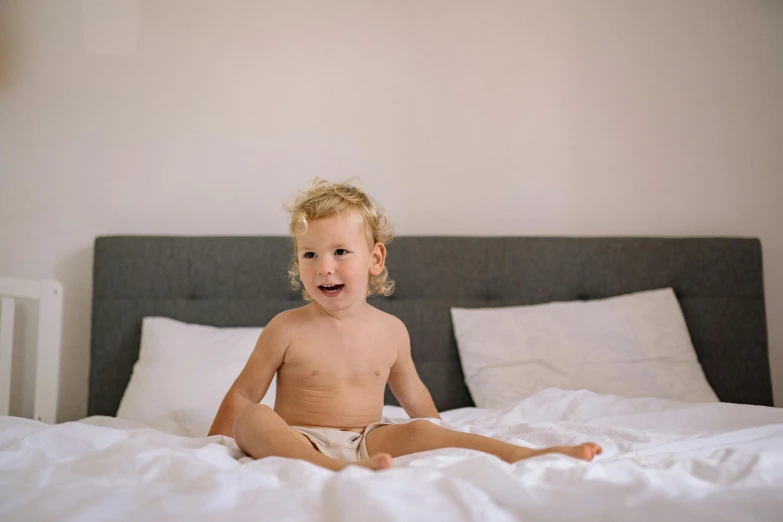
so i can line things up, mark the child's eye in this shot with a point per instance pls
(309, 255)
(341, 251)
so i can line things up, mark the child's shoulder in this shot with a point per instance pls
(392, 322)
(288, 319)
(295, 313)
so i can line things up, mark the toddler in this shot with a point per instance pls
(334, 356)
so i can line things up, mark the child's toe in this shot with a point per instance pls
(589, 450)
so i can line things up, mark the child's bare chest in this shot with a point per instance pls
(327, 359)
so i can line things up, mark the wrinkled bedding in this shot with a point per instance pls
(662, 460)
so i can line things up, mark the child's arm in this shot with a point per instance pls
(405, 383)
(253, 381)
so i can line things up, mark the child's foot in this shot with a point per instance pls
(376, 462)
(585, 451)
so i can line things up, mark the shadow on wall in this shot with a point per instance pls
(7, 56)
(74, 271)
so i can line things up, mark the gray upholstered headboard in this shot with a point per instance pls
(242, 281)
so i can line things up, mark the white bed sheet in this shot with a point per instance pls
(663, 460)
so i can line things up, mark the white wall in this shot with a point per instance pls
(181, 117)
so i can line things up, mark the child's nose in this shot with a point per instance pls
(325, 267)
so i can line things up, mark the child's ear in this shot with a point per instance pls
(377, 258)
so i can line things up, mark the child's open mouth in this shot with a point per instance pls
(331, 290)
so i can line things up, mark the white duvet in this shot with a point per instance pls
(662, 460)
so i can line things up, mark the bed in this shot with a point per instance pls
(663, 459)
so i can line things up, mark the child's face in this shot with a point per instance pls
(335, 261)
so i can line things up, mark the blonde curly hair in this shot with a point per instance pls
(325, 199)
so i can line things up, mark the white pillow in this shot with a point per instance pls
(185, 367)
(635, 345)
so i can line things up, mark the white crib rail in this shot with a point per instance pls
(49, 294)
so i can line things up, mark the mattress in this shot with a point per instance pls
(662, 460)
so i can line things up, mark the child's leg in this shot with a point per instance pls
(260, 432)
(422, 435)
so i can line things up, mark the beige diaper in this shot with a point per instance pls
(339, 444)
